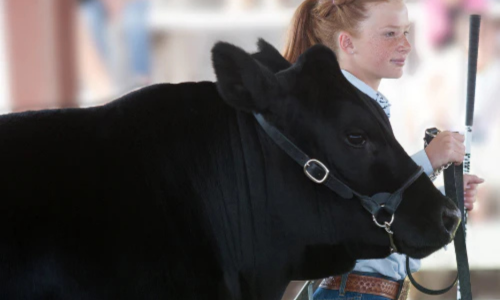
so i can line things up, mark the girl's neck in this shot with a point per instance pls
(374, 83)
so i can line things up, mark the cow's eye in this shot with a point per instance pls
(356, 139)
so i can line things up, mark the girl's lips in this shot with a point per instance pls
(399, 62)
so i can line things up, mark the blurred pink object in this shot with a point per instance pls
(438, 12)
(475, 6)
(438, 20)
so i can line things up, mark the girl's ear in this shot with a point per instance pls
(345, 43)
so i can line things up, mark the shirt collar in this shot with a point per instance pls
(365, 88)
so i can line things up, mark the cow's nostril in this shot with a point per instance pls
(451, 219)
(448, 222)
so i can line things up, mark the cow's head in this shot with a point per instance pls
(319, 111)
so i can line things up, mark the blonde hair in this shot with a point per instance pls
(320, 22)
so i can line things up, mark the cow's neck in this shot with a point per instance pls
(256, 267)
(259, 256)
(266, 258)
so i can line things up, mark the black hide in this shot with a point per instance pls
(174, 192)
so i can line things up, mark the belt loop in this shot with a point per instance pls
(343, 283)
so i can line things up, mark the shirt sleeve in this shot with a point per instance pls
(421, 159)
(415, 265)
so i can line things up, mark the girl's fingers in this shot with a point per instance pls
(475, 180)
(471, 195)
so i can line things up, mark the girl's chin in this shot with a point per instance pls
(395, 74)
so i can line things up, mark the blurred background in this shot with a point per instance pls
(70, 53)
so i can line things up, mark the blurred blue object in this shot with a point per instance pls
(133, 37)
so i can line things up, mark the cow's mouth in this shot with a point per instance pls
(420, 251)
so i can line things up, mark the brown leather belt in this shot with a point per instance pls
(369, 285)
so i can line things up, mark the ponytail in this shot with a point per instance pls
(301, 34)
(321, 21)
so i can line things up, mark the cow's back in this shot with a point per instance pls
(99, 203)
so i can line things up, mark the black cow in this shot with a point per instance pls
(176, 192)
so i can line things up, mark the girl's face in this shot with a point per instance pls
(381, 47)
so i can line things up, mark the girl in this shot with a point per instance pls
(370, 39)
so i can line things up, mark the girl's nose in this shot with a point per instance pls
(405, 46)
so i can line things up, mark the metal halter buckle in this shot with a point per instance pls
(321, 165)
(386, 225)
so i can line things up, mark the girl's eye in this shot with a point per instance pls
(407, 33)
(390, 34)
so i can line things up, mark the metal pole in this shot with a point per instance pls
(474, 26)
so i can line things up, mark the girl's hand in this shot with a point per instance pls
(446, 147)
(470, 190)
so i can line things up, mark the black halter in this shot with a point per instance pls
(319, 173)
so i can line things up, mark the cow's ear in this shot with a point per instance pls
(243, 82)
(317, 65)
(270, 57)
